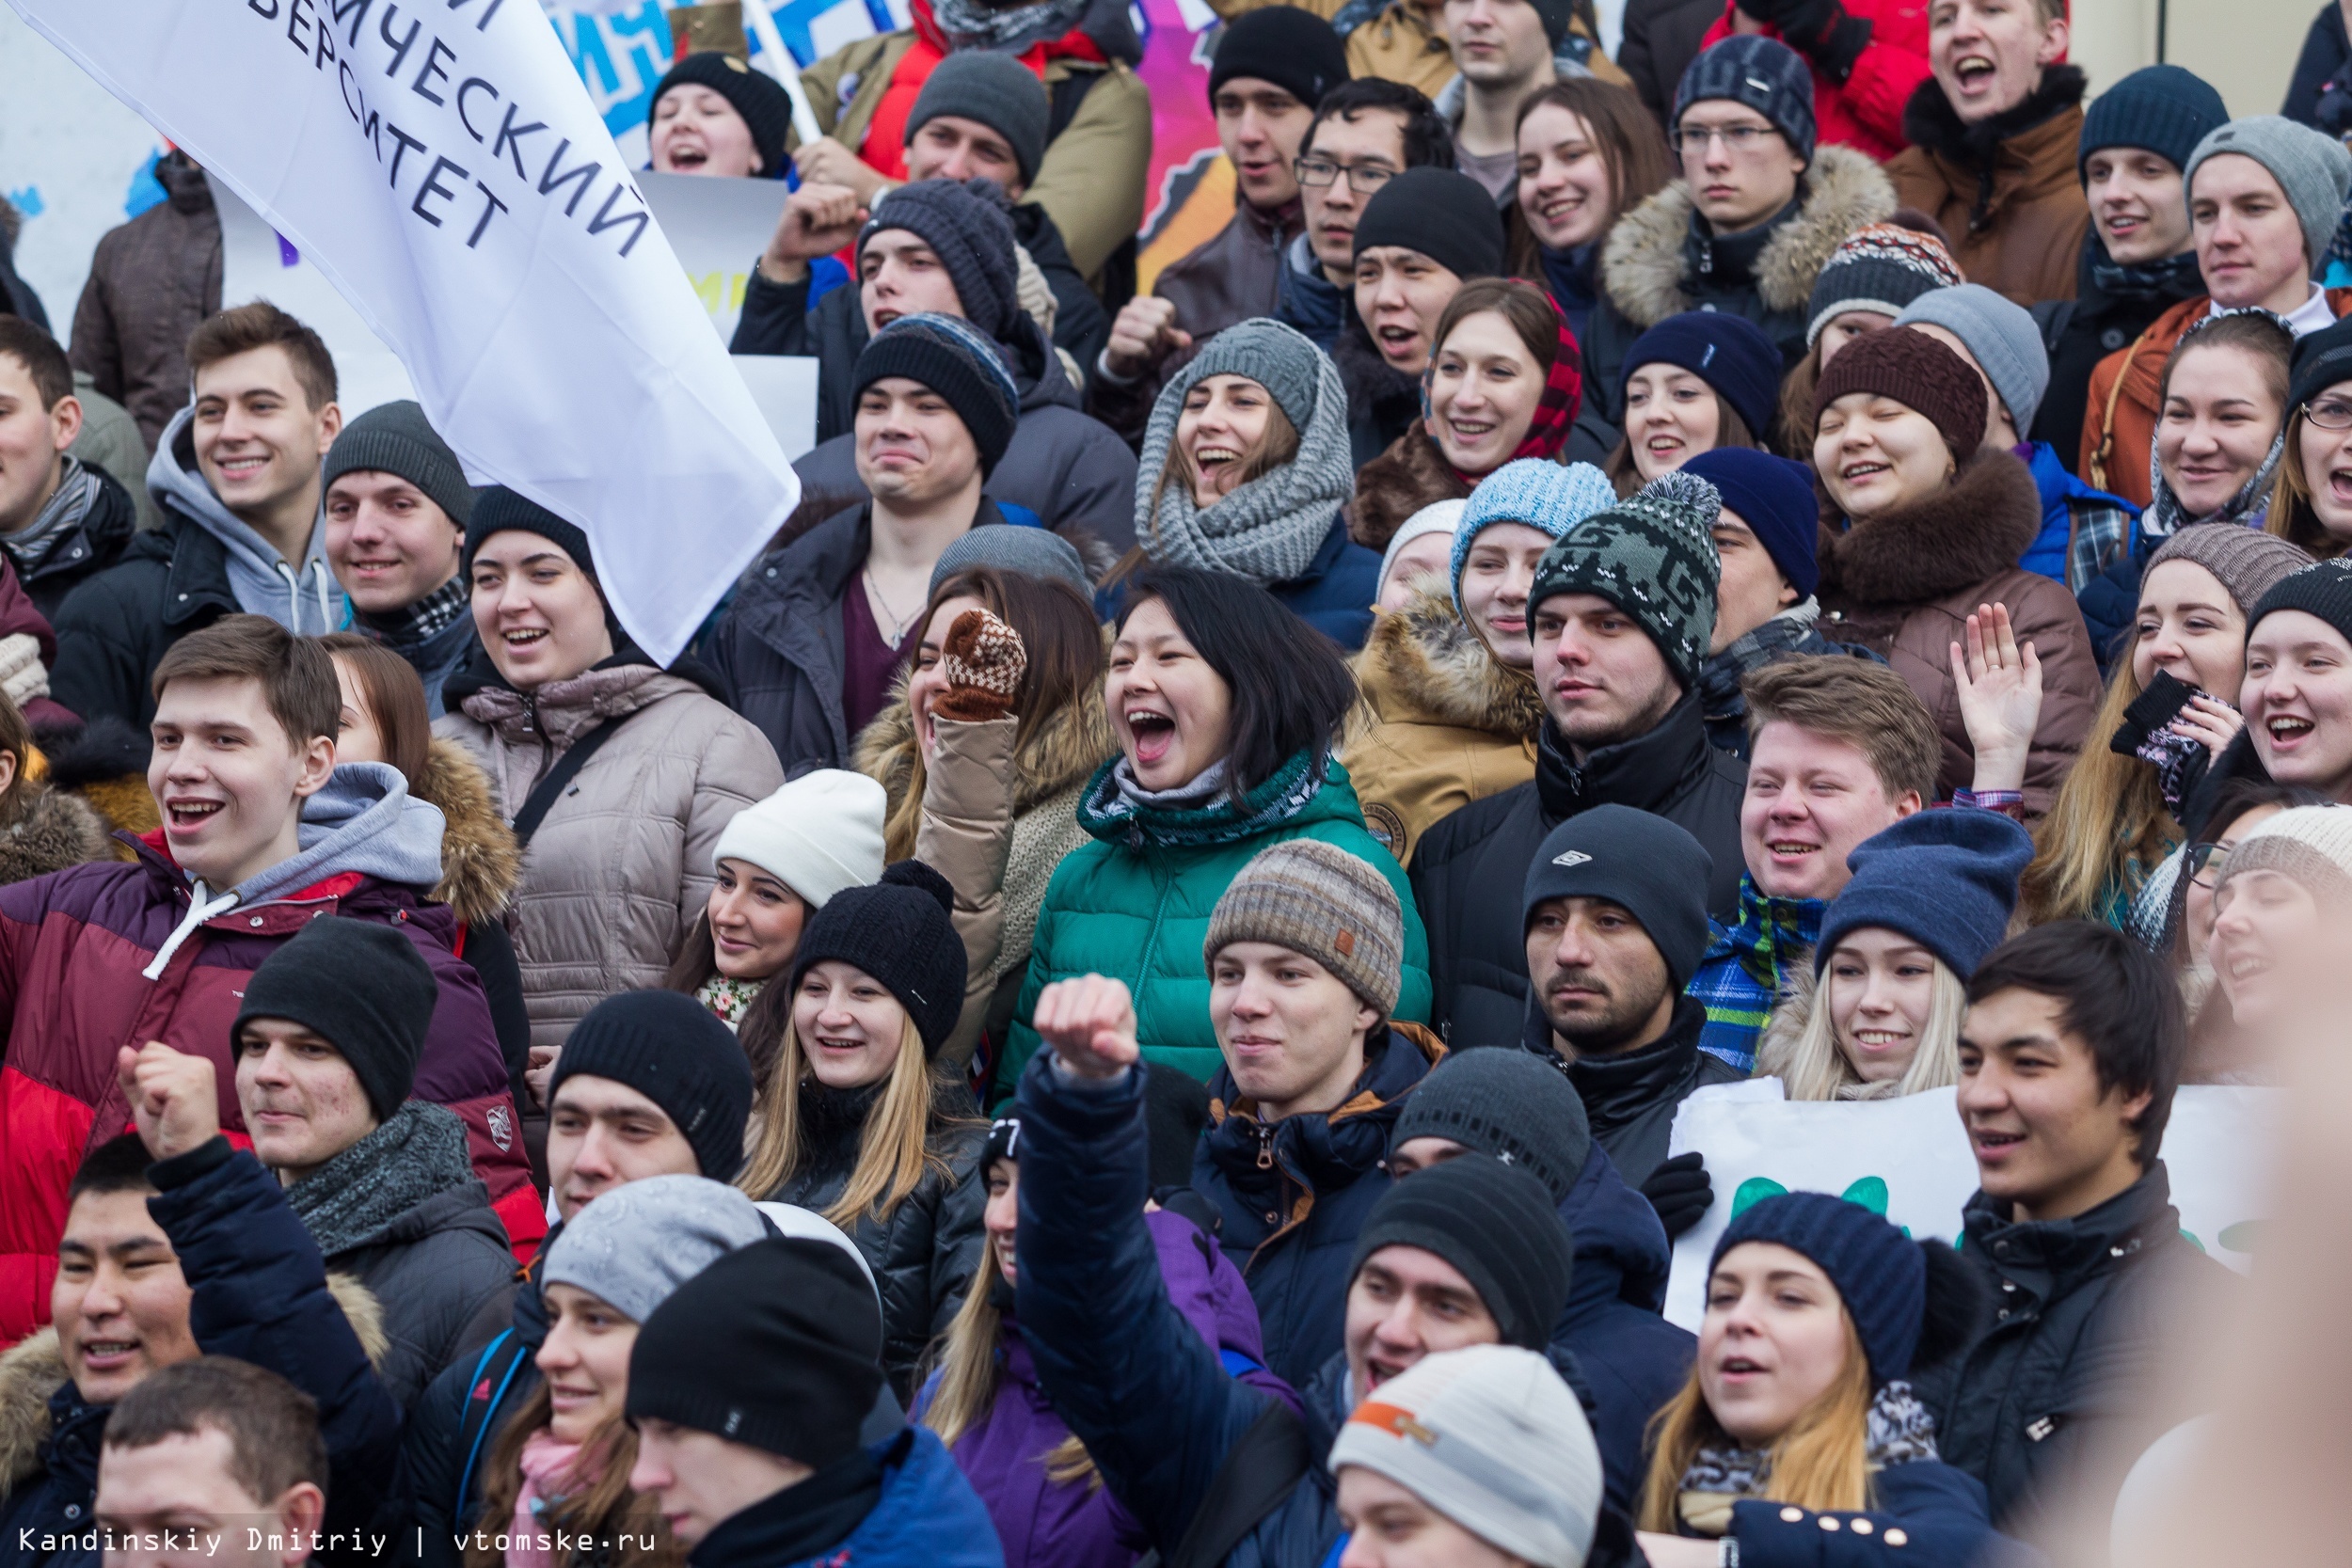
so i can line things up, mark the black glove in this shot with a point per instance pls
(1680, 1192)
(1818, 29)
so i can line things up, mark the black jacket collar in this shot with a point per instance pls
(2052, 1257)
(1615, 1089)
(1644, 772)
(1930, 120)
(800, 1522)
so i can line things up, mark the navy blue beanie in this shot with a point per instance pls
(1879, 1272)
(1774, 496)
(1945, 878)
(1729, 353)
(1765, 74)
(2161, 107)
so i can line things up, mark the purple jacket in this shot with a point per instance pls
(1079, 1525)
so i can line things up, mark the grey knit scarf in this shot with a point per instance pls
(75, 494)
(972, 24)
(2168, 516)
(1267, 529)
(1900, 1431)
(353, 1199)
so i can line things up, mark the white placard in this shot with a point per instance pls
(717, 227)
(786, 390)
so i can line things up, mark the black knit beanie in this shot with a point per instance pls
(668, 1048)
(767, 110)
(965, 226)
(900, 931)
(1649, 868)
(777, 1346)
(396, 438)
(1498, 1225)
(953, 359)
(498, 510)
(2323, 588)
(1503, 1101)
(1447, 216)
(360, 987)
(1294, 49)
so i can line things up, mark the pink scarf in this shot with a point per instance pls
(546, 1464)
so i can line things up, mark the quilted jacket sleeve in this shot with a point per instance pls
(965, 834)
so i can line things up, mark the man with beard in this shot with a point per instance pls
(1616, 914)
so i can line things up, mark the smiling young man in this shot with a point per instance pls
(61, 520)
(935, 415)
(2068, 1060)
(1993, 135)
(260, 835)
(1470, 1252)
(397, 503)
(237, 474)
(1758, 210)
(212, 1461)
(1621, 614)
(1304, 952)
(1839, 748)
(327, 1044)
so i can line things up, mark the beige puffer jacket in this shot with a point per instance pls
(621, 866)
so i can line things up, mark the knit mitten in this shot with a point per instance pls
(983, 661)
(21, 674)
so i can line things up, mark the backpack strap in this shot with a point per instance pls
(473, 1428)
(1272, 1457)
(544, 793)
(2106, 449)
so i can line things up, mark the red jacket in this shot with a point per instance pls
(73, 945)
(1866, 113)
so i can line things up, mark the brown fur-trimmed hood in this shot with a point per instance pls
(1975, 527)
(1424, 661)
(56, 830)
(480, 862)
(1642, 265)
(1411, 474)
(33, 1368)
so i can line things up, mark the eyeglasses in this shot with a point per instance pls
(2202, 863)
(2330, 414)
(1738, 138)
(1363, 179)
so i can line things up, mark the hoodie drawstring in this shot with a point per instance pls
(317, 572)
(202, 906)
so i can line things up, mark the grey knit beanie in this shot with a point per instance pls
(1503, 1101)
(2314, 170)
(2247, 562)
(397, 438)
(1317, 899)
(1277, 357)
(633, 1246)
(1032, 552)
(1653, 556)
(996, 90)
(2001, 337)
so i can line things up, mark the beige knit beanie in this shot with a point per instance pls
(1317, 899)
(2311, 845)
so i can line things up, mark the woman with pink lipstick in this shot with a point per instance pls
(2220, 428)
(1879, 1018)
(1502, 383)
(2311, 501)
(1693, 383)
(1800, 1426)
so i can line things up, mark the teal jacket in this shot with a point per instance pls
(1136, 904)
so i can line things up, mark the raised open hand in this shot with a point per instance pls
(1999, 684)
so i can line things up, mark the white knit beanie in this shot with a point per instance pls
(1491, 1437)
(1437, 517)
(817, 834)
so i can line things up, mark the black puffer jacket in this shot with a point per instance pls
(93, 543)
(1630, 1099)
(114, 627)
(926, 1253)
(2057, 1398)
(1470, 866)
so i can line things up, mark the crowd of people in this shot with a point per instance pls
(1130, 993)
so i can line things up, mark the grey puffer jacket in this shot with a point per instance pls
(620, 867)
(403, 1212)
(924, 1253)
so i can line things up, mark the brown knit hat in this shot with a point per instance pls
(1917, 372)
(1317, 899)
(2245, 561)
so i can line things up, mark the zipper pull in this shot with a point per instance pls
(1265, 1147)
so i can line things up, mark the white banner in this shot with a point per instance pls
(442, 164)
(256, 264)
(1909, 1159)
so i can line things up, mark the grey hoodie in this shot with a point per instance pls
(304, 599)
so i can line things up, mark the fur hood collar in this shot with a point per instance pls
(1411, 474)
(1643, 263)
(56, 830)
(1965, 533)
(33, 1369)
(480, 863)
(1930, 121)
(1424, 661)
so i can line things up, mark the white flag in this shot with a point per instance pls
(439, 162)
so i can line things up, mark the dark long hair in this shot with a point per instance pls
(1291, 688)
(761, 1032)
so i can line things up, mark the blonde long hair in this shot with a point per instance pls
(893, 1150)
(1821, 1463)
(2109, 814)
(1800, 1046)
(969, 1375)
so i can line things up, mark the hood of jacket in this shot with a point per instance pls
(1622, 1253)
(560, 712)
(1036, 370)
(480, 863)
(1964, 535)
(53, 828)
(1326, 1153)
(303, 596)
(1643, 265)
(2007, 142)
(1306, 299)
(1422, 662)
(364, 821)
(1645, 772)
(1206, 1288)
(1411, 474)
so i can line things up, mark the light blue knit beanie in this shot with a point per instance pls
(1551, 498)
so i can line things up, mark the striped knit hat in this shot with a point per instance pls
(1882, 267)
(1653, 556)
(1317, 899)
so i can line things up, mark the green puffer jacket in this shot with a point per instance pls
(1136, 904)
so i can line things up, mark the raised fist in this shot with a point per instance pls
(817, 221)
(174, 1100)
(1144, 333)
(1089, 1023)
